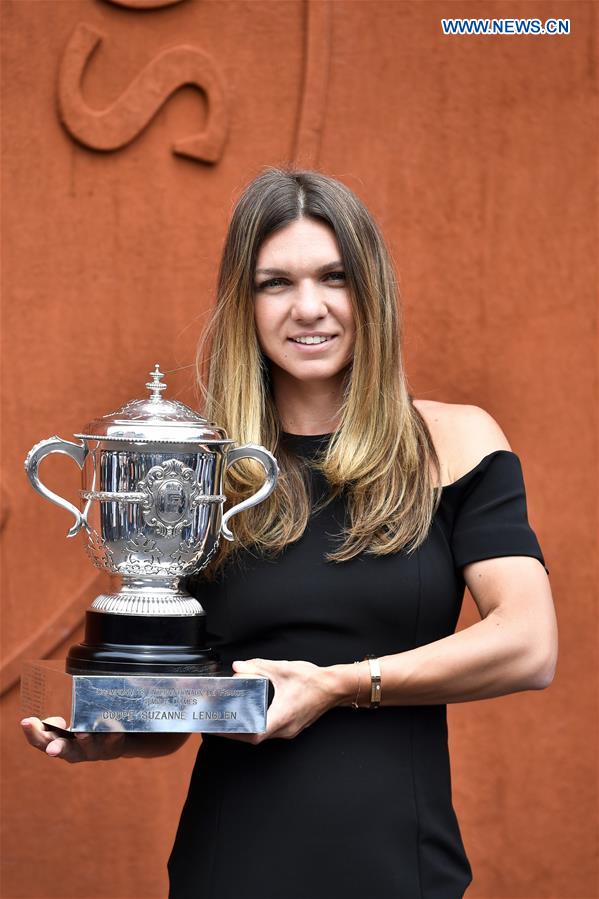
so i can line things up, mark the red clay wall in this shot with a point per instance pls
(477, 154)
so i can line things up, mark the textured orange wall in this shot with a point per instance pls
(478, 156)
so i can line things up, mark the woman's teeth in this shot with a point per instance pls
(310, 339)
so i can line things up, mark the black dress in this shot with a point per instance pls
(358, 805)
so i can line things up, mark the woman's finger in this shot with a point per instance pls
(58, 747)
(264, 667)
(57, 727)
(248, 666)
(57, 720)
(35, 733)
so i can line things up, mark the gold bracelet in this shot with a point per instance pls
(355, 702)
(375, 681)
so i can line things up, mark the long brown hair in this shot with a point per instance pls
(381, 455)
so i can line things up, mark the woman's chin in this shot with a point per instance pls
(313, 371)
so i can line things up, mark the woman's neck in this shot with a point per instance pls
(307, 407)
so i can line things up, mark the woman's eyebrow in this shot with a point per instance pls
(281, 271)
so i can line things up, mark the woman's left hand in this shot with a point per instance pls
(303, 692)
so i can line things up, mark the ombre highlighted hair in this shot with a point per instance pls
(381, 456)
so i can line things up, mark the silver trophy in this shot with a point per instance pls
(151, 512)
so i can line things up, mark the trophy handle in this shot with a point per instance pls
(268, 463)
(77, 451)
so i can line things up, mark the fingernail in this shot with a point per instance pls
(26, 722)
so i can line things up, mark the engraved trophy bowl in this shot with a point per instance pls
(152, 512)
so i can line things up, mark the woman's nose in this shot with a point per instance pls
(308, 303)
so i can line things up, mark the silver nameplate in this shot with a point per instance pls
(144, 704)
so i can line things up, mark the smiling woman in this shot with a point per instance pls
(347, 583)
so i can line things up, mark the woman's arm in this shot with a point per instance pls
(513, 647)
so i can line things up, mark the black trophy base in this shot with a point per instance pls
(142, 644)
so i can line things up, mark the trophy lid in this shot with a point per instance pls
(154, 420)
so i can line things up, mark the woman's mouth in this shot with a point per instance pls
(312, 339)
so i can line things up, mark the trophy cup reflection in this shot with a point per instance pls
(152, 513)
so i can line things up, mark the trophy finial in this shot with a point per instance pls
(154, 386)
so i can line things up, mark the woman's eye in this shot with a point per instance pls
(272, 282)
(336, 276)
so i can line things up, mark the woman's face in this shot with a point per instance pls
(303, 314)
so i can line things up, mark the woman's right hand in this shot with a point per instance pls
(80, 748)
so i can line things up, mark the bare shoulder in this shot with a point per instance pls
(462, 434)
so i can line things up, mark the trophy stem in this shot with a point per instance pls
(161, 597)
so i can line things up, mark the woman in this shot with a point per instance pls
(386, 508)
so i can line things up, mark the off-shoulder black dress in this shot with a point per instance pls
(358, 806)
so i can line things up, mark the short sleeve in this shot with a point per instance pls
(491, 516)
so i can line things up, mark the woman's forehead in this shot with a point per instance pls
(302, 243)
